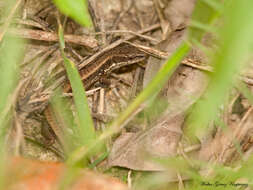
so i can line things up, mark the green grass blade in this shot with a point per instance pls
(203, 15)
(10, 54)
(87, 131)
(203, 27)
(76, 9)
(215, 5)
(8, 76)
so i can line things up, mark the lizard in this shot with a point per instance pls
(92, 72)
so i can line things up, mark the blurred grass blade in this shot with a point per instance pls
(203, 14)
(246, 170)
(9, 17)
(98, 160)
(235, 41)
(86, 127)
(203, 27)
(64, 116)
(10, 53)
(215, 5)
(76, 9)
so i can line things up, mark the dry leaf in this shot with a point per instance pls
(131, 150)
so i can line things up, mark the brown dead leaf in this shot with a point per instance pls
(131, 149)
(161, 138)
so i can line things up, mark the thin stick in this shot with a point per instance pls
(52, 37)
(129, 32)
